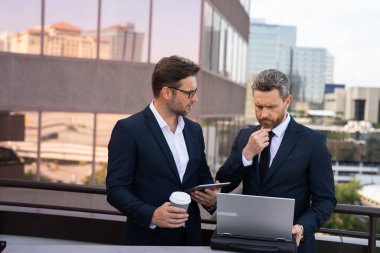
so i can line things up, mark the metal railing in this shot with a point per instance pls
(372, 212)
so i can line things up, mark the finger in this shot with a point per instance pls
(174, 209)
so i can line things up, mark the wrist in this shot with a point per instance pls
(248, 155)
(302, 231)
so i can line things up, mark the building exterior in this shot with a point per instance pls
(274, 46)
(73, 79)
(329, 73)
(363, 103)
(335, 99)
(354, 103)
(310, 65)
(270, 46)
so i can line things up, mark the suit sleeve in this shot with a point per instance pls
(233, 169)
(120, 176)
(321, 184)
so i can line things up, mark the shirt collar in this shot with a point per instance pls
(279, 130)
(161, 122)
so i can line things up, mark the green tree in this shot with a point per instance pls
(100, 175)
(347, 193)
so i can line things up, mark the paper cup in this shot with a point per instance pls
(180, 199)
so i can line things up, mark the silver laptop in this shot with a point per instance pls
(255, 216)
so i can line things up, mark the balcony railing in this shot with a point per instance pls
(371, 212)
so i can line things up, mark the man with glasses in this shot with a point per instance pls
(156, 152)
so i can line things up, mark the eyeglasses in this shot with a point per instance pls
(189, 93)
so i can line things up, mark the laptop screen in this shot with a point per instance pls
(255, 216)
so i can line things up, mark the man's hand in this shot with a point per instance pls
(256, 143)
(298, 231)
(207, 197)
(167, 216)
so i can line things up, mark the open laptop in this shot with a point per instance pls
(255, 216)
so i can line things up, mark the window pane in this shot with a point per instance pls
(18, 145)
(125, 30)
(215, 42)
(69, 28)
(176, 29)
(19, 26)
(222, 52)
(229, 53)
(66, 149)
(105, 124)
(207, 35)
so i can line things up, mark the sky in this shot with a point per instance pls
(348, 29)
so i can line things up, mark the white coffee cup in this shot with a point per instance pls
(180, 199)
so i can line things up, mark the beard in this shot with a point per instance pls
(271, 123)
(177, 108)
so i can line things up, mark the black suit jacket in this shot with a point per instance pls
(301, 170)
(142, 174)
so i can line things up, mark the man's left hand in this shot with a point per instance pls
(298, 231)
(206, 198)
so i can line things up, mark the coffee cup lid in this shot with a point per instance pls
(180, 198)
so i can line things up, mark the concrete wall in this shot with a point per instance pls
(29, 82)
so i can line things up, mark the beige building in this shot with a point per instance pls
(61, 39)
(355, 103)
(336, 102)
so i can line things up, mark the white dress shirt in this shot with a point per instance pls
(279, 132)
(176, 141)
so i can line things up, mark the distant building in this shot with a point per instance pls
(310, 65)
(329, 72)
(355, 103)
(122, 41)
(270, 46)
(335, 99)
(274, 46)
(363, 103)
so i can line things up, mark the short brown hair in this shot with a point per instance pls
(169, 70)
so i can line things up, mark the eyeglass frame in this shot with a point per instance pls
(189, 93)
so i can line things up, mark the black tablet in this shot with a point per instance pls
(202, 187)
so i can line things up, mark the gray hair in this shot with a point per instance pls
(270, 79)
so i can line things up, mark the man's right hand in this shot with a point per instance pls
(256, 143)
(167, 216)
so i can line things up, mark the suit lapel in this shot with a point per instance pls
(160, 138)
(292, 134)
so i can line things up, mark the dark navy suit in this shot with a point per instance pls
(142, 174)
(301, 170)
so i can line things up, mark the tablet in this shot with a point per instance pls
(202, 187)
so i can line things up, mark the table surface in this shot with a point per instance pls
(105, 249)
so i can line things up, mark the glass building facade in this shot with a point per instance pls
(71, 69)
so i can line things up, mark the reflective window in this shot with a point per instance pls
(69, 28)
(104, 126)
(20, 22)
(67, 146)
(215, 42)
(176, 29)
(224, 51)
(222, 48)
(207, 36)
(18, 145)
(125, 30)
(229, 54)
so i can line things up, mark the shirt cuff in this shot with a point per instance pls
(152, 226)
(211, 208)
(245, 161)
